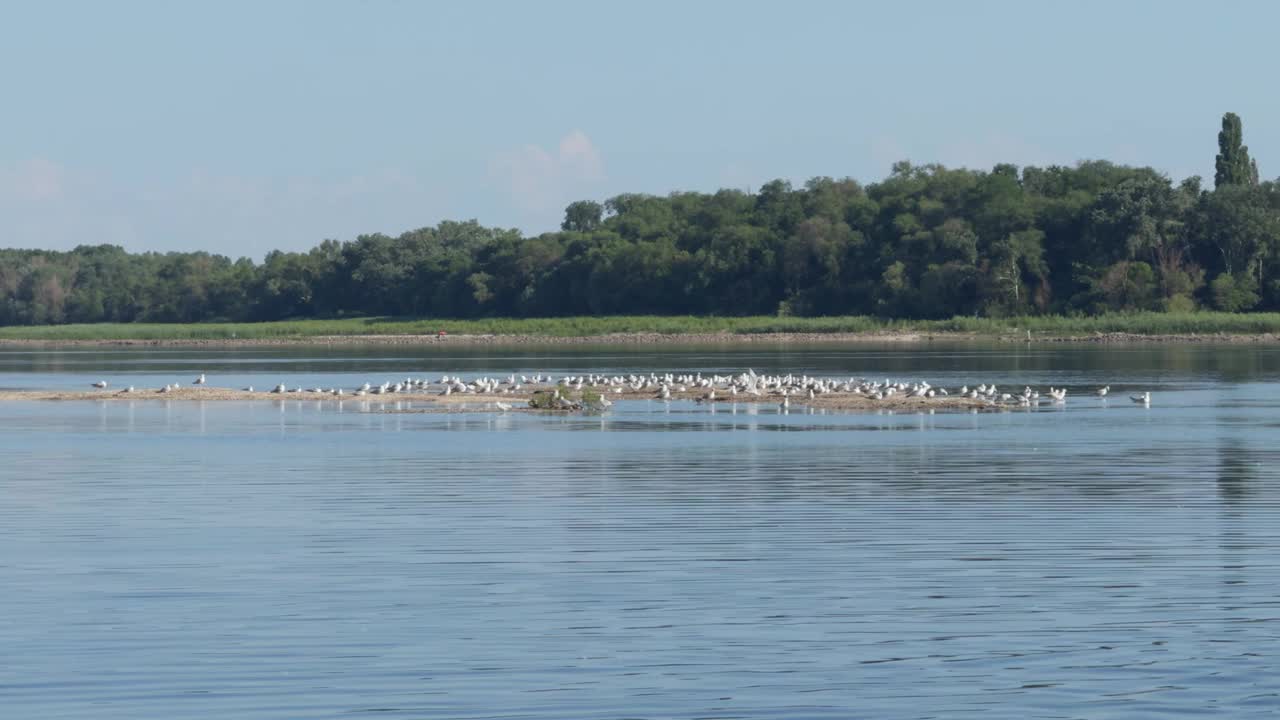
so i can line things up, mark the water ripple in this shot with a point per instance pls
(283, 560)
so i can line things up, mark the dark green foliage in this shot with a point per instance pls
(926, 242)
(1234, 293)
(582, 216)
(1233, 166)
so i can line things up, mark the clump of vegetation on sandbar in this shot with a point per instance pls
(564, 400)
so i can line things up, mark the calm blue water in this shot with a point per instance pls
(297, 559)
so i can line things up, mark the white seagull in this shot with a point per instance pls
(100, 384)
(1143, 399)
(199, 380)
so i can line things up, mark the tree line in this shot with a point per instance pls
(925, 242)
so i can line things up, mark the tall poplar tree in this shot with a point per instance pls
(1233, 166)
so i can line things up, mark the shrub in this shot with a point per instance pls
(543, 400)
(1234, 293)
(1179, 304)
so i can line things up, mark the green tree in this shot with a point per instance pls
(1234, 293)
(582, 216)
(1233, 166)
(1130, 286)
(926, 241)
(1236, 229)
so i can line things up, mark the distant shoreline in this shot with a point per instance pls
(1198, 327)
(652, 338)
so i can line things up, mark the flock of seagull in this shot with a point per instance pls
(747, 386)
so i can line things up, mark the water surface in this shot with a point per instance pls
(314, 559)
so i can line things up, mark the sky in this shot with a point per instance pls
(241, 127)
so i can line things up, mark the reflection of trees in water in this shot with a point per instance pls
(1241, 363)
(864, 470)
(1237, 469)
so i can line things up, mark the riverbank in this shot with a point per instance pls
(638, 330)
(906, 337)
(514, 339)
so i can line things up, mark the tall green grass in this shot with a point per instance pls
(1147, 323)
(1137, 324)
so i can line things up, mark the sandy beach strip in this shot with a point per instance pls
(471, 402)
(226, 394)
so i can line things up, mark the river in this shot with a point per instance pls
(304, 559)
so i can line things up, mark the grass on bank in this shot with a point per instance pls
(1200, 323)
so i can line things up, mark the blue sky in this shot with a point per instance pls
(239, 127)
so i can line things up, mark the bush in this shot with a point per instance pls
(543, 400)
(586, 399)
(1179, 304)
(1129, 286)
(1234, 293)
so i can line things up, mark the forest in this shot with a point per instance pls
(925, 242)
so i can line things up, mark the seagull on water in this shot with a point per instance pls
(101, 384)
(1143, 399)
(199, 380)
(1102, 391)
